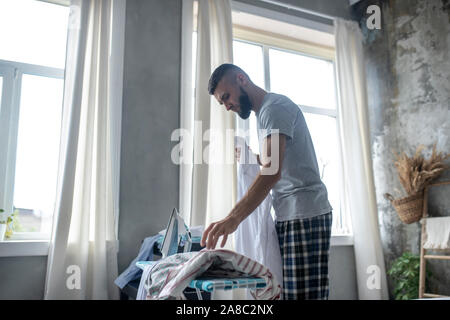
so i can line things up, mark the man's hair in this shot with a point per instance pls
(219, 73)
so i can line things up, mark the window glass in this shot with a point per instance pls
(33, 32)
(324, 136)
(249, 57)
(310, 81)
(38, 151)
(306, 80)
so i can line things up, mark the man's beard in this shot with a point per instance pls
(245, 105)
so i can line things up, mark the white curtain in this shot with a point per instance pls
(211, 183)
(214, 183)
(359, 188)
(186, 110)
(82, 262)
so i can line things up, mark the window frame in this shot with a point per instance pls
(252, 36)
(12, 73)
(272, 41)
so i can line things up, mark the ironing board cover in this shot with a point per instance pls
(209, 284)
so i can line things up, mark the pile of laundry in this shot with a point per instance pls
(146, 254)
(168, 278)
(258, 253)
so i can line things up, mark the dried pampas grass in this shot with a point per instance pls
(416, 173)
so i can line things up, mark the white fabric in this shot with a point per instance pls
(358, 184)
(171, 275)
(256, 236)
(213, 183)
(142, 291)
(82, 262)
(437, 233)
(213, 186)
(186, 110)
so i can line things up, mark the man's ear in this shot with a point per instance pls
(241, 79)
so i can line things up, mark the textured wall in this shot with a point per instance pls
(151, 107)
(23, 278)
(408, 79)
(342, 273)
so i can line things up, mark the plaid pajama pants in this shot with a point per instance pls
(304, 246)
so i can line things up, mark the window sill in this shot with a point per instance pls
(341, 240)
(24, 248)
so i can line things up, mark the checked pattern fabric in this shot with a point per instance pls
(305, 246)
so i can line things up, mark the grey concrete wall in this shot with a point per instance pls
(342, 273)
(408, 80)
(23, 278)
(151, 108)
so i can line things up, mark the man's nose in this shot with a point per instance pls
(228, 107)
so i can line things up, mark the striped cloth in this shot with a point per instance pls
(304, 246)
(171, 275)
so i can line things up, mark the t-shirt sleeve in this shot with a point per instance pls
(277, 119)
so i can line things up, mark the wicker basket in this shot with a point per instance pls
(410, 208)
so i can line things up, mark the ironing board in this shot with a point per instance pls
(212, 284)
(177, 234)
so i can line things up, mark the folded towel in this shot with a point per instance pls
(437, 233)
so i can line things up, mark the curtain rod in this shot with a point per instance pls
(295, 8)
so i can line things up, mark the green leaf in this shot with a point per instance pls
(405, 273)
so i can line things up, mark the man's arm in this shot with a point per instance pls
(269, 175)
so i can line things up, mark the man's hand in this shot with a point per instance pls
(237, 155)
(266, 179)
(221, 228)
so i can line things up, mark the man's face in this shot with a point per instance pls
(231, 94)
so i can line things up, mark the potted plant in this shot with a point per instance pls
(3, 224)
(405, 272)
(415, 173)
(8, 224)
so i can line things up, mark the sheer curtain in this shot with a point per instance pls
(82, 262)
(359, 185)
(213, 183)
(208, 185)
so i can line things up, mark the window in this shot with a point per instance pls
(299, 63)
(32, 58)
(307, 77)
